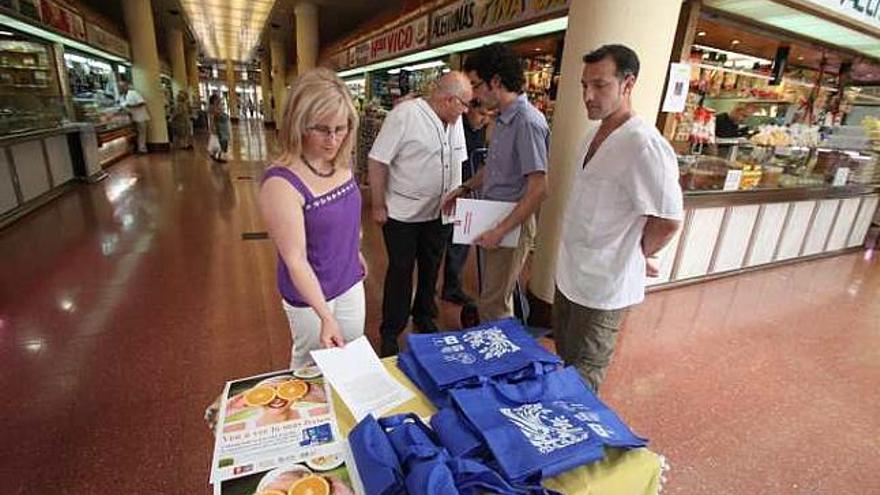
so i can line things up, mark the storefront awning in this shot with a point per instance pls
(551, 26)
(802, 22)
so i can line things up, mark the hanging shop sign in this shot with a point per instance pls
(107, 41)
(399, 40)
(861, 11)
(396, 41)
(470, 18)
(62, 19)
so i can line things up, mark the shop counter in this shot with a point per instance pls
(632, 472)
(34, 165)
(726, 233)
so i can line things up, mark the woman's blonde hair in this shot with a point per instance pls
(317, 94)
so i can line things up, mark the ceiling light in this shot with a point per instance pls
(6, 33)
(701, 33)
(735, 42)
(537, 49)
(801, 57)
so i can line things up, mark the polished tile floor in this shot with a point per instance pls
(125, 305)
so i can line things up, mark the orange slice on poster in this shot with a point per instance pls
(259, 396)
(293, 390)
(310, 485)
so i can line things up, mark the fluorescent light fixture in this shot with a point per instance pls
(551, 26)
(426, 65)
(394, 71)
(6, 33)
(24, 27)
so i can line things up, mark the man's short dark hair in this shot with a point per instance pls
(497, 60)
(625, 59)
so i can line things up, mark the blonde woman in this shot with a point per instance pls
(311, 205)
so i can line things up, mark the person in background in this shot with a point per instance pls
(456, 254)
(312, 208)
(515, 172)
(218, 122)
(134, 104)
(625, 205)
(732, 124)
(181, 122)
(415, 161)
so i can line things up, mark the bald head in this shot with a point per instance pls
(451, 95)
(455, 83)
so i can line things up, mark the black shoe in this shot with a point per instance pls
(457, 297)
(389, 349)
(425, 325)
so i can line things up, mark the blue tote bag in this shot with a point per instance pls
(488, 350)
(544, 426)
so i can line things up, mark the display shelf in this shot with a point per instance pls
(28, 67)
(750, 100)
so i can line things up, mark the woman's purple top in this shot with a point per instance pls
(333, 228)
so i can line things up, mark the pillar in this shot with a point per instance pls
(177, 56)
(646, 27)
(279, 75)
(307, 42)
(266, 86)
(138, 16)
(231, 83)
(192, 73)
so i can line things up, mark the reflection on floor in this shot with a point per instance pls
(125, 305)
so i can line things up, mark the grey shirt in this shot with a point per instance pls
(519, 147)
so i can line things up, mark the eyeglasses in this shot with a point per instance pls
(475, 85)
(463, 103)
(327, 132)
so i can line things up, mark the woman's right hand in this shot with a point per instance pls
(331, 335)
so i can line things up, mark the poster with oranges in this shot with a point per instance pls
(323, 475)
(272, 420)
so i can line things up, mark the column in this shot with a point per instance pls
(177, 56)
(646, 27)
(138, 16)
(266, 86)
(192, 72)
(279, 75)
(231, 82)
(307, 43)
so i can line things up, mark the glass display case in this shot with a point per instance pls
(93, 90)
(30, 96)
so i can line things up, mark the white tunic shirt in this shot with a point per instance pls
(130, 100)
(633, 174)
(424, 160)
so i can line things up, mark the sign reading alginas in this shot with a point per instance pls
(466, 18)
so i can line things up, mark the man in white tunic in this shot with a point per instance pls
(625, 206)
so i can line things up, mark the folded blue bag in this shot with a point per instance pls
(485, 351)
(400, 455)
(377, 464)
(541, 427)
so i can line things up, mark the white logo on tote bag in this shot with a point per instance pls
(491, 343)
(545, 430)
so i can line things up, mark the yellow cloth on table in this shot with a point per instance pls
(622, 472)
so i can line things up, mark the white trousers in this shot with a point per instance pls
(350, 311)
(142, 136)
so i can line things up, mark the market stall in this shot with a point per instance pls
(775, 163)
(93, 90)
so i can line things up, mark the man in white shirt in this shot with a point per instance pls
(625, 206)
(415, 161)
(132, 101)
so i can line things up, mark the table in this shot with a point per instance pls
(622, 472)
